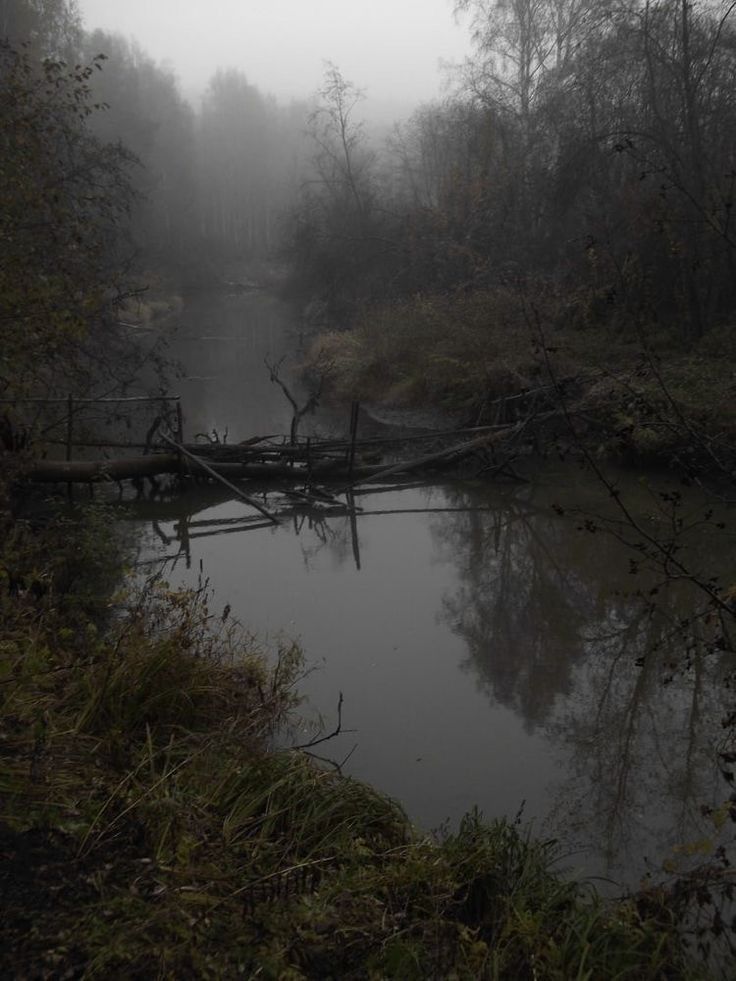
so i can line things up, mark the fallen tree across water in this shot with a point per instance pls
(311, 460)
(97, 471)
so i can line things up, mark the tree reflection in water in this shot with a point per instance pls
(558, 630)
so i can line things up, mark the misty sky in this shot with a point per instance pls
(391, 48)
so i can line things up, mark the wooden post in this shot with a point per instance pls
(180, 435)
(354, 409)
(179, 421)
(69, 439)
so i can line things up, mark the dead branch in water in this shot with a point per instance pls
(331, 735)
(213, 473)
(313, 463)
(309, 406)
(446, 456)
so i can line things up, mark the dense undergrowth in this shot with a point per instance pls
(465, 350)
(149, 828)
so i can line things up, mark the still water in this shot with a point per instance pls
(489, 652)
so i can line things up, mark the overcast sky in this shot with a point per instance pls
(391, 48)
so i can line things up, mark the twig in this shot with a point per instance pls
(336, 731)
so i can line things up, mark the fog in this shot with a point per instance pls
(394, 49)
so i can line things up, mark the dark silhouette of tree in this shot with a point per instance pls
(339, 234)
(247, 152)
(146, 113)
(66, 198)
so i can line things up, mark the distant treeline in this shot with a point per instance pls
(589, 149)
(211, 181)
(111, 184)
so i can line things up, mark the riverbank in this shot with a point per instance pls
(149, 827)
(635, 395)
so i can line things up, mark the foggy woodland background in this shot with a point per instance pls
(585, 153)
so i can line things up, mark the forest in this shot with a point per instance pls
(581, 174)
(547, 253)
(574, 195)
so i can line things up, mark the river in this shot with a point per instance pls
(489, 652)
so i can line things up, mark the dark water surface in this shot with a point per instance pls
(489, 652)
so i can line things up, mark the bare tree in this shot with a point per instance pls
(342, 160)
(519, 42)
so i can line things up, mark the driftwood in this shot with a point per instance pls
(448, 456)
(217, 476)
(307, 464)
(99, 471)
(95, 471)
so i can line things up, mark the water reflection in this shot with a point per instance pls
(557, 629)
(642, 754)
(489, 652)
(520, 606)
(221, 344)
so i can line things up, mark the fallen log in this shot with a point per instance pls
(321, 469)
(218, 476)
(100, 471)
(96, 471)
(447, 456)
